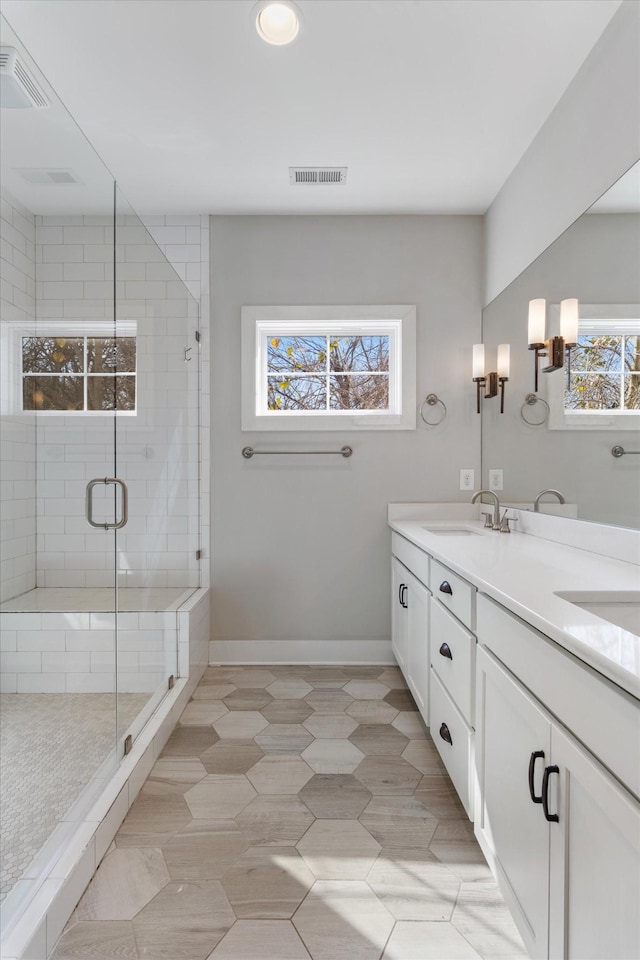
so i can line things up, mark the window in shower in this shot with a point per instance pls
(79, 374)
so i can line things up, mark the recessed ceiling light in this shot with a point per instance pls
(277, 22)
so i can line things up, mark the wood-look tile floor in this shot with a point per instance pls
(295, 813)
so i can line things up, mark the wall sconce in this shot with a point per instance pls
(555, 347)
(492, 382)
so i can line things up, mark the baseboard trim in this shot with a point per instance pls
(301, 651)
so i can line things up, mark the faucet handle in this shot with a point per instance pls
(504, 525)
(488, 521)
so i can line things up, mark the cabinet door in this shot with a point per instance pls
(418, 661)
(399, 624)
(595, 859)
(511, 733)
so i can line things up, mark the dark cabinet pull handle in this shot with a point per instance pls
(532, 769)
(401, 595)
(551, 817)
(445, 587)
(445, 651)
(444, 733)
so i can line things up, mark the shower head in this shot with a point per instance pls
(18, 88)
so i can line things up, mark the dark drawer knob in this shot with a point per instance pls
(445, 587)
(445, 734)
(445, 651)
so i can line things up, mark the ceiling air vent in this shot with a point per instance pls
(312, 176)
(18, 89)
(36, 175)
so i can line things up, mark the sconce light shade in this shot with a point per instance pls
(504, 360)
(537, 321)
(478, 361)
(569, 321)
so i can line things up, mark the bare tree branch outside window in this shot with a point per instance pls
(328, 373)
(605, 374)
(79, 374)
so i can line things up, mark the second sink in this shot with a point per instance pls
(620, 607)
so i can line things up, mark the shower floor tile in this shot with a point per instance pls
(50, 747)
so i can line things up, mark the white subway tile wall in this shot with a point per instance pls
(17, 437)
(157, 449)
(75, 652)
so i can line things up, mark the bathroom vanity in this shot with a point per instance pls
(523, 656)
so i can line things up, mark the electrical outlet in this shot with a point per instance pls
(467, 478)
(495, 479)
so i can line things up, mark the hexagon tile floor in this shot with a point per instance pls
(295, 813)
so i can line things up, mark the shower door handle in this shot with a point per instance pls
(89, 504)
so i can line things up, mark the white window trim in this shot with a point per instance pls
(397, 320)
(561, 419)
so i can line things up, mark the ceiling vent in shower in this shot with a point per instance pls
(18, 88)
(313, 176)
(47, 177)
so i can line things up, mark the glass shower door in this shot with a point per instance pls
(156, 456)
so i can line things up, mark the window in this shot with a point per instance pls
(603, 387)
(78, 374)
(328, 368)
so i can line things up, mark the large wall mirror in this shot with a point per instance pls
(578, 415)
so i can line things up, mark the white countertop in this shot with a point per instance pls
(523, 572)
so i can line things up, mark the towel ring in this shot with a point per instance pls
(432, 400)
(529, 401)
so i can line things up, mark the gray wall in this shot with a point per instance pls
(300, 551)
(597, 261)
(590, 139)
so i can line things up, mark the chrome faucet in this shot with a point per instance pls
(555, 493)
(496, 505)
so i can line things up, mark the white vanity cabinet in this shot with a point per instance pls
(410, 618)
(562, 834)
(453, 649)
(399, 610)
(435, 650)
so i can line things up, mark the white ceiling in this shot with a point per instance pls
(430, 103)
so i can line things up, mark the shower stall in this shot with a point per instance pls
(99, 431)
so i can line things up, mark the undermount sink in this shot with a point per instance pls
(451, 531)
(620, 607)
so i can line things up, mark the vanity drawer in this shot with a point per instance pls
(412, 557)
(457, 756)
(454, 593)
(453, 658)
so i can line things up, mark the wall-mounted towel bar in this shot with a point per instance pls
(248, 452)
(621, 452)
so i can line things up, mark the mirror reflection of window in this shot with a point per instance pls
(605, 370)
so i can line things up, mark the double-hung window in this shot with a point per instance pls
(328, 368)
